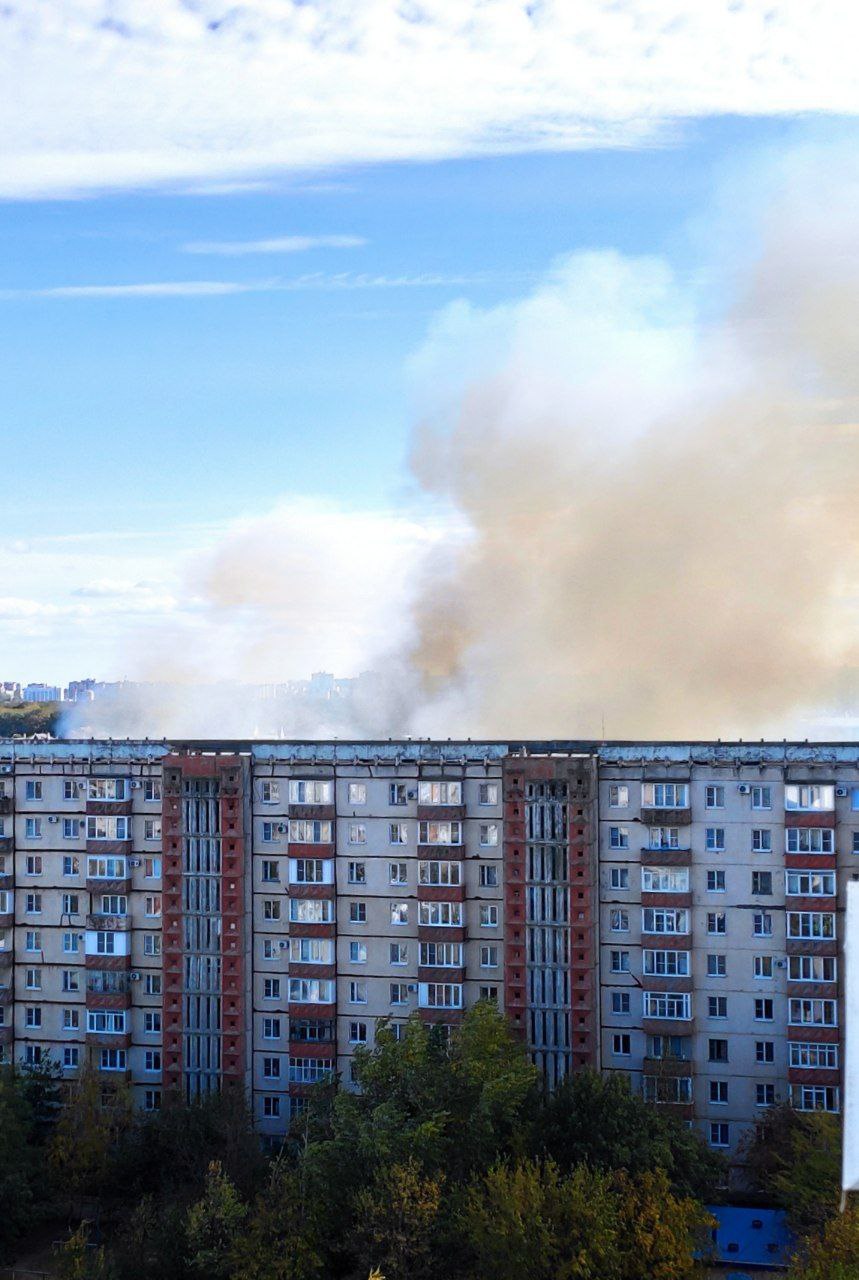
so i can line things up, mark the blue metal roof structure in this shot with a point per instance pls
(751, 1239)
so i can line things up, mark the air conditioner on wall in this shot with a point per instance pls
(53, 818)
(744, 788)
(135, 785)
(841, 791)
(5, 768)
(135, 976)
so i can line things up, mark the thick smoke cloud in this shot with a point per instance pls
(643, 496)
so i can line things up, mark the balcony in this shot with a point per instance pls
(7, 919)
(5, 844)
(5, 805)
(7, 995)
(6, 957)
(665, 857)
(665, 817)
(104, 923)
(95, 884)
(7, 1035)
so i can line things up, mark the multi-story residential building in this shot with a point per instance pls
(183, 915)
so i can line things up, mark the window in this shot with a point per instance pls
(810, 1055)
(399, 993)
(488, 833)
(762, 840)
(151, 828)
(270, 870)
(812, 968)
(814, 1097)
(762, 924)
(488, 917)
(71, 904)
(440, 955)
(69, 789)
(719, 1134)
(440, 833)
(32, 1055)
(357, 793)
(670, 1089)
(152, 905)
(311, 991)
(763, 966)
(357, 1033)
(34, 864)
(666, 964)
(268, 945)
(33, 828)
(763, 1009)
(397, 873)
(618, 796)
(398, 953)
(440, 873)
(151, 790)
(153, 984)
(810, 924)
(114, 904)
(270, 831)
(488, 876)
(816, 1013)
(400, 912)
(99, 827)
(358, 912)
(71, 1057)
(717, 1006)
(71, 944)
(357, 873)
(32, 790)
(398, 833)
(270, 909)
(69, 980)
(665, 795)
(719, 1092)
(311, 910)
(487, 793)
(809, 797)
(762, 883)
(489, 956)
(619, 878)
(33, 904)
(311, 951)
(809, 840)
(33, 940)
(397, 794)
(152, 1060)
(310, 871)
(489, 993)
(620, 1002)
(715, 839)
(304, 831)
(107, 789)
(106, 1022)
(619, 921)
(663, 837)
(664, 920)
(271, 988)
(152, 944)
(440, 793)
(810, 884)
(312, 791)
(152, 868)
(764, 1052)
(357, 833)
(717, 1050)
(715, 882)
(271, 1068)
(665, 879)
(357, 952)
(618, 837)
(33, 1016)
(71, 1019)
(620, 962)
(443, 914)
(71, 828)
(621, 1044)
(151, 1021)
(271, 1107)
(112, 1060)
(762, 797)
(714, 797)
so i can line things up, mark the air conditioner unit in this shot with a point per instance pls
(412, 794)
(282, 828)
(136, 785)
(283, 945)
(53, 818)
(134, 862)
(412, 988)
(744, 788)
(841, 791)
(779, 964)
(5, 768)
(135, 976)
(81, 936)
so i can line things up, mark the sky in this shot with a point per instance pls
(230, 236)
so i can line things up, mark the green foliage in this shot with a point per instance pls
(396, 1221)
(78, 1259)
(18, 1167)
(833, 1254)
(29, 718)
(279, 1242)
(213, 1226)
(85, 1136)
(795, 1158)
(600, 1120)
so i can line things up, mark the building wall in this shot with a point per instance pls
(358, 883)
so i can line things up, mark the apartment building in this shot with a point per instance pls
(180, 915)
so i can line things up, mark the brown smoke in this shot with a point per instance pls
(687, 570)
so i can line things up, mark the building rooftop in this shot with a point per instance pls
(754, 1239)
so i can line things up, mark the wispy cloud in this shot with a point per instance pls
(152, 289)
(297, 86)
(223, 288)
(279, 244)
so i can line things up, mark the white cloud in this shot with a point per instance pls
(280, 244)
(224, 288)
(101, 94)
(153, 289)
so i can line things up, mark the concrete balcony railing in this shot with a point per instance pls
(107, 923)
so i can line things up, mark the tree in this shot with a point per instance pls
(77, 1259)
(278, 1241)
(18, 1168)
(396, 1221)
(212, 1226)
(150, 1242)
(85, 1136)
(598, 1119)
(660, 1234)
(833, 1254)
(795, 1157)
